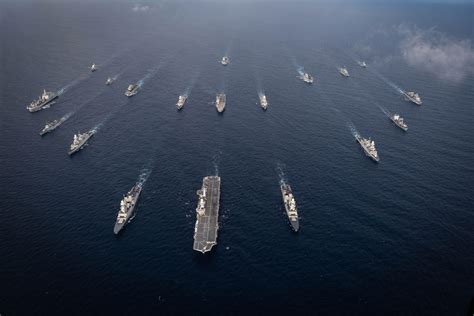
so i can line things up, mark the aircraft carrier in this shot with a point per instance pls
(207, 214)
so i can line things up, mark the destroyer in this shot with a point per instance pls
(306, 77)
(290, 206)
(181, 101)
(51, 126)
(413, 97)
(93, 67)
(263, 101)
(369, 147)
(79, 141)
(42, 102)
(132, 90)
(220, 102)
(343, 71)
(127, 206)
(398, 120)
(225, 61)
(207, 213)
(362, 64)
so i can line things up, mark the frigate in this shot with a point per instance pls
(343, 71)
(399, 121)
(413, 97)
(79, 141)
(290, 206)
(181, 101)
(132, 90)
(369, 147)
(43, 101)
(220, 102)
(127, 207)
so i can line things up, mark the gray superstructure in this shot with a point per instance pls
(263, 101)
(207, 214)
(306, 77)
(413, 97)
(290, 206)
(343, 71)
(42, 102)
(132, 90)
(225, 61)
(399, 121)
(79, 141)
(220, 102)
(127, 207)
(369, 147)
(181, 101)
(51, 126)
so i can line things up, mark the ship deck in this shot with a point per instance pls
(207, 225)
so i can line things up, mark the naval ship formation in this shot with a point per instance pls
(79, 141)
(220, 102)
(127, 207)
(42, 102)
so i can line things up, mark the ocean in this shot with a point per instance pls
(389, 238)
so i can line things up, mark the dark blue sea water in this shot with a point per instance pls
(388, 238)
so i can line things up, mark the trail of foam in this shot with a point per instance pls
(190, 87)
(216, 161)
(144, 174)
(353, 129)
(281, 173)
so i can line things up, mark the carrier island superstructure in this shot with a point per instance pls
(207, 214)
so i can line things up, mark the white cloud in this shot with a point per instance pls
(434, 52)
(140, 8)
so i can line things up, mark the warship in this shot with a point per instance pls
(79, 141)
(290, 206)
(207, 214)
(127, 206)
(399, 121)
(42, 102)
(263, 101)
(181, 101)
(225, 61)
(306, 77)
(369, 147)
(343, 71)
(132, 90)
(220, 102)
(362, 64)
(93, 67)
(51, 126)
(413, 97)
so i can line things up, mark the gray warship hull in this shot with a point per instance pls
(366, 151)
(295, 224)
(81, 145)
(136, 190)
(42, 105)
